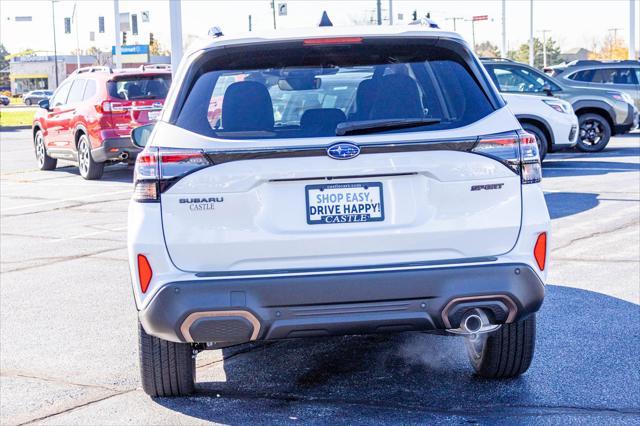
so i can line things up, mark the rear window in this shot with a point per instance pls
(139, 87)
(292, 90)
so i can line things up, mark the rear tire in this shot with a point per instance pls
(44, 161)
(595, 133)
(166, 368)
(27, 102)
(505, 353)
(541, 139)
(89, 169)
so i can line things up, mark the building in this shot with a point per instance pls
(36, 72)
(575, 54)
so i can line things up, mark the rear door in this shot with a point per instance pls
(137, 99)
(285, 193)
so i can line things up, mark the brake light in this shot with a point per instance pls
(332, 40)
(145, 273)
(157, 169)
(110, 107)
(517, 150)
(540, 250)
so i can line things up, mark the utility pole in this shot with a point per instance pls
(544, 47)
(390, 12)
(249, 23)
(175, 23)
(379, 11)
(613, 42)
(116, 18)
(531, 44)
(273, 8)
(75, 19)
(503, 47)
(632, 29)
(55, 46)
(454, 19)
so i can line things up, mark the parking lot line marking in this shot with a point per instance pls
(44, 203)
(90, 234)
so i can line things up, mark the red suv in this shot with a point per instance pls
(90, 116)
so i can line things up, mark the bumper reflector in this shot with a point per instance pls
(144, 272)
(540, 250)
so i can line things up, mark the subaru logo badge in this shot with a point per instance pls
(343, 151)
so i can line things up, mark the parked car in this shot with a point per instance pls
(4, 100)
(623, 76)
(601, 113)
(35, 96)
(405, 198)
(551, 120)
(90, 117)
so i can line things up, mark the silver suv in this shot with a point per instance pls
(601, 113)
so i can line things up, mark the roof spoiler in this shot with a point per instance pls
(155, 67)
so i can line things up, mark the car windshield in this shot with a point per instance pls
(140, 87)
(309, 91)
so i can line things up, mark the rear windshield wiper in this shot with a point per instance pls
(373, 126)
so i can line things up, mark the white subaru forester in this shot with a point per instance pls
(332, 182)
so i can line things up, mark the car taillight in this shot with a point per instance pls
(110, 107)
(517, 150)
(158, 168)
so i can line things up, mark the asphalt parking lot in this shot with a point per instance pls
(68, 323)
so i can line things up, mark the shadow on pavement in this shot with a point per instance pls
(586, 366)
(561, 204)
(114, 173)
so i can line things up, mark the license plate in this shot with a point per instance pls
(154, 115)
(344, 203)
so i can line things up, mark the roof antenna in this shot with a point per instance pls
(215, 32)
(325, 21)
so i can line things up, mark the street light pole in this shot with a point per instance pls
(273, 8)
(544, 47)
(116, 19)
(531, 44)
(55, 46)
(503, 48)
(175, 23)
(75, 18)
(632, 29)
(390, 12)
(379, 11)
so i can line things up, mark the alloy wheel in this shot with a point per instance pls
(83, 156)
(40, 150)
(591, 132)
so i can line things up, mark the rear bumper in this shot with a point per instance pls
(231, 311)
(630, 122)
(113, 148)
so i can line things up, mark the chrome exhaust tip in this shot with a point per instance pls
(123, 156)
(474, 322)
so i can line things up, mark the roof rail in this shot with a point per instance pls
(155, 67)
(604, 61)
(488, 58)
(93, 69)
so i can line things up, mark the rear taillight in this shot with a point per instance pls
(158, 168)
(110, 107)
(518, 151)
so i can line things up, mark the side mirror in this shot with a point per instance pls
(44, 104)
(140, 135)
(547, 89)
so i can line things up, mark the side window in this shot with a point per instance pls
(77, 89)
(89, 90)
(60, 95)
(621, 76)
(584, 75)
(637, 75)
